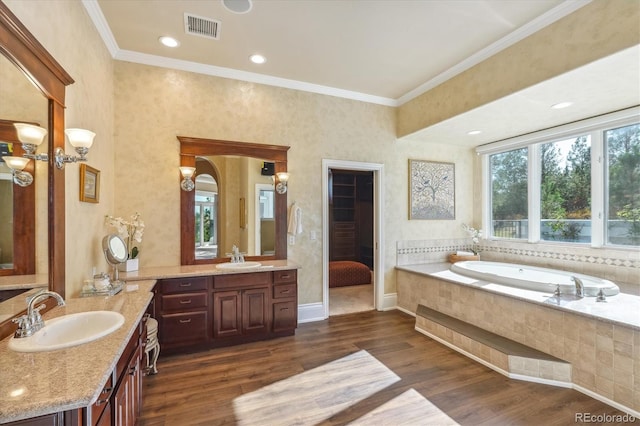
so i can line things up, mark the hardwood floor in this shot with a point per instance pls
(368, 368)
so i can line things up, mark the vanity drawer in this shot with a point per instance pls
(181, 285)
(232, 281)
(99, 406)
(281, 291)
(290, 276)
(187, 326)
(184, 301)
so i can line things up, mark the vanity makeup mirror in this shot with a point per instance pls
(39, 68)
(115, 251)
(234, 203)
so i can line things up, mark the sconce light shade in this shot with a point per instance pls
(187, 173)
(281, 186)
(30, 134)
(80, 138)
(17, 164)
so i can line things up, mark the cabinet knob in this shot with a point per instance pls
(284, 309)
(185, 321)
(185, 284)
(285, 276)
(185, 302)
(285, 291)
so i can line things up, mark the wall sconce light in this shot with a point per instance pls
(187, 173)
(32, 136)
(17, 165)
(281, 186)
(81, 140)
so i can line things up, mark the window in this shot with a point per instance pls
(623, 185)
(576, 183)
(565, 190)
(509, 213)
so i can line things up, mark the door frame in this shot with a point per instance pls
(378, 227)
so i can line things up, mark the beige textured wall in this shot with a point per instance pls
(154, 105)
(76, 45)
(596, 30)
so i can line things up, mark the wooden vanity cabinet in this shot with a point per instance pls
(226, 309)
(182, 310)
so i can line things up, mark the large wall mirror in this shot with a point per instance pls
(234, 201)
(42, 81)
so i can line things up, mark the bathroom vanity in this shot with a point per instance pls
(96, 383)
(201, 306)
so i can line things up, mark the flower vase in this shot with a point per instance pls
(129, 265)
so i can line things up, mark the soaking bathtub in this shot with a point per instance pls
(533, 278)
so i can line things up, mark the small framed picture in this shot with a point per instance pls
(89, 184)
(431, 190)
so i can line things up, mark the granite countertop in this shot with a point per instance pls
(163, 272)
(621, 309)
(16, 282)
(34, 384)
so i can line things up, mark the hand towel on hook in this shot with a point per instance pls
(295, 220)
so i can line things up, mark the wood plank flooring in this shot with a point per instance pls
(369, 368)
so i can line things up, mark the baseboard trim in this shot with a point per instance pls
(310, 312)
(389, 301)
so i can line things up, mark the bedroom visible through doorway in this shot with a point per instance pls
(351, 240)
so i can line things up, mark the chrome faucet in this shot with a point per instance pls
(579, 286)
(236, 256)
(32, 321)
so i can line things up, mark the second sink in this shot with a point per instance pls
(69, 330)
(238, 266)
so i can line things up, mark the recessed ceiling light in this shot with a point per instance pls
(257, 59)
(169, 41)
(238, 6)
(474, 132)
(561, 105)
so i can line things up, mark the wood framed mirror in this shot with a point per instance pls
(21, 48)
(207, 152)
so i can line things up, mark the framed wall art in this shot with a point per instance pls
(89, 184)
(431, 190)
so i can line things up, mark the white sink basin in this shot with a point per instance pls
(238, 266)
(69, 330)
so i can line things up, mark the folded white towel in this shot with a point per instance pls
(464, 253)
(295, 220)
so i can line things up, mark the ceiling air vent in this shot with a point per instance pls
(203, 27)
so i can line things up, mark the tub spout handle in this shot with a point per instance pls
(557, 293)
(601, 297)
(579, 286)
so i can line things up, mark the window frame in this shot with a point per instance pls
(595, 127)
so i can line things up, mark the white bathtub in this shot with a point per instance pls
(533, 278)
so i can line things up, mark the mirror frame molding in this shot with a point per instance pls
(191, 147)
(24, 51)
(24, 221)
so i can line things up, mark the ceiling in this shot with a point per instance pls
(381, 51)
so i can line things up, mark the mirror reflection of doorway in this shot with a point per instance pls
(206, 213)
(265, 226)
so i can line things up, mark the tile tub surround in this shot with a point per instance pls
(620, 265)
(604, 352)
(67, 379)
(164, 272)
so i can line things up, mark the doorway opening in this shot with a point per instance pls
(352, 222)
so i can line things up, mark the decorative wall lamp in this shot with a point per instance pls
(281, 186)
(17, 165)
(187, 183)
(32, 136)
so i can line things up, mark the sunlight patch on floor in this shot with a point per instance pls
(410, 408)
(315, 395)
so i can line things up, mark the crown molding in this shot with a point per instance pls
(95, 13)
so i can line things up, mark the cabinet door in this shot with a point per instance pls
(227, 309)
(255, 311)
(121, 403)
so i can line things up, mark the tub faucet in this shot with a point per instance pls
(32, 321)
(579, 286)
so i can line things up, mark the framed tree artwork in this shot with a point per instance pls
(431, 190)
